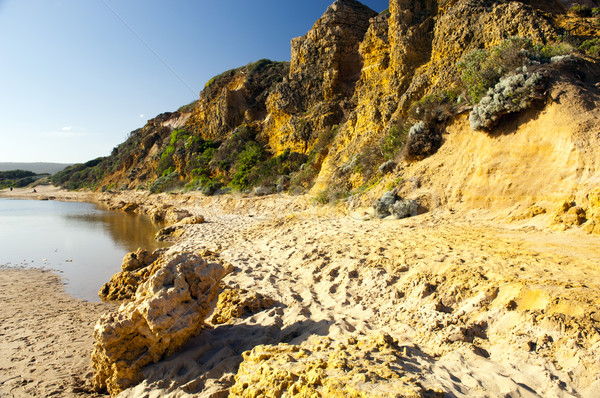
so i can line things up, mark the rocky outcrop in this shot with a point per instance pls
(173, 216)
(166, 311)
(136, 269)
(412, 52)
(235, 303)
(158, 213)
(235, 97)
(326, 62)
(135, 161)
(139, 259)
(356, 367)
(325, 66)
(391, 205)
(567, 215)
(593, 213)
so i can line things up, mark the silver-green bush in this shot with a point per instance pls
(511, 94)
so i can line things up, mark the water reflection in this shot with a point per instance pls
(129, 231)
(84, 241)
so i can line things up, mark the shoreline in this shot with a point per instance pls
(48, 192)
(503, 309)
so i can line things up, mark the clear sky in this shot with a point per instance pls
(75, 80)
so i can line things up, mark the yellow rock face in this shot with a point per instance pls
(412, 52)
(321, 367)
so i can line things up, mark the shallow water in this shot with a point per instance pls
(81, 240)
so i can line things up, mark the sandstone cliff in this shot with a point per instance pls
(344, 105)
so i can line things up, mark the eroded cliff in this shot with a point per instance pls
(336, 119)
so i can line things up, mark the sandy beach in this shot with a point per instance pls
(476, 306)
(45, 336)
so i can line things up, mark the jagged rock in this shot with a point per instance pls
(383, 205)
(110, 205)
(130, 207)
(567, 214)
(235, 303)
(156, 214)
(168, 309)
(237, 96)
(173, 216)
(574, 216)
(136, 270)
(364, 367)
(404, 208)
(390, 204)
(172, 232)
(592, 226)
(122, 286)
(532, 211)
(328, 54)
(325, 66)
(169, 234)
(192, 220)
(139, 259)
(364, 73)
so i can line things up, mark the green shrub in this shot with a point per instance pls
(392, 142)
(166, 165)
(367, 162)
(332, 195)
(208, 186)
(512, 94)
(226, 155)
(591, 47)
(246, 161)
(165, 183)
(424, 139)
(303, 178)
(482, 69)
(580, 10)
(168, 171)
(83, 175)
(192, 152)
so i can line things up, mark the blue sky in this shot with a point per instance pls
(74, 80)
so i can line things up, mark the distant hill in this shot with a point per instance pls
(37, 167)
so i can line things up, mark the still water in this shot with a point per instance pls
(81, 240)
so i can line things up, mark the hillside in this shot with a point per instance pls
(373, 102)
(35, 167)
(19, 178)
